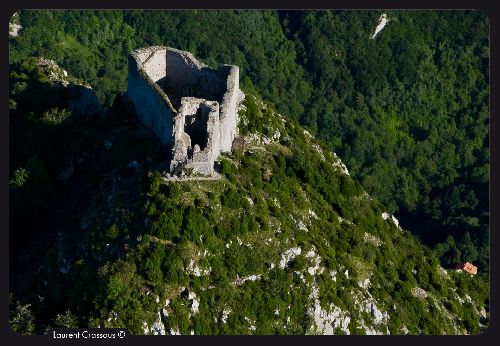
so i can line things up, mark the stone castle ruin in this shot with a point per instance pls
(187, 104)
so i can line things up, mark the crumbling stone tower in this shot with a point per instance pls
(186, 104)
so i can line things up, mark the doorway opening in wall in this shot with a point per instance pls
(196, 126)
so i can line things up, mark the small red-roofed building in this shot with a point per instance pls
(467, 267)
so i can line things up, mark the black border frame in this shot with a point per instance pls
(487, 8)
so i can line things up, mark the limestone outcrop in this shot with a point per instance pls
(187, 104)
(82, 100)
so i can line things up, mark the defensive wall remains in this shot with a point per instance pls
(186, 103)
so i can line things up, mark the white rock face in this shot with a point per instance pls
(333, 275)
(319, 151)
(316, 259)
(364, 284)
(15, 28)
(336, 162)
(326, 322)
(386, 216)
(301, 226)
(443, 272)
(382, 22)
(313, 214)
(158, 328)
(396, 222)
(339, 164)
(367, 304)
(240, 281)
(341, 220)
(225, 314)
(175, 331)
(289, 255)
(253, 139)
(195, 304)
(252, 324)
(145, 328)
(418, 292)
(378, 316)
(195, 269)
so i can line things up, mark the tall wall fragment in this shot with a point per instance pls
(165, 82)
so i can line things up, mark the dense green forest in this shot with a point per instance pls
(408, 111)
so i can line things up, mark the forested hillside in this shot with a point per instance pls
(408, 111)
(285, 242)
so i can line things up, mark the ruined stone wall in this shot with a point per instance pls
(150, 102)
(187, 77)
(191, 78)
(186, 153)
(182, 72)
(155, 65)
(163, 79)
(182, 144)
(228, 114)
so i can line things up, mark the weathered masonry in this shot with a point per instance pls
(186, 103)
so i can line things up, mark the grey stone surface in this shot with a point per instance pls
(180, 98)
(82, 100)
(196, 136)
(150, 104)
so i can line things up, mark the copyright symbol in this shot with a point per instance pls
(121, 334)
